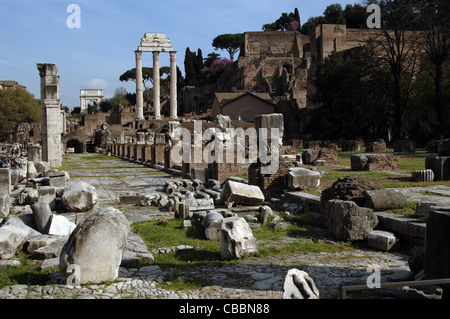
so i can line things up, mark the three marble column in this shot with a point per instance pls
(156, 86)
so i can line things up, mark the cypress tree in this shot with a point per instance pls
(297, 17)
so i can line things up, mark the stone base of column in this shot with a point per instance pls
(139, 123)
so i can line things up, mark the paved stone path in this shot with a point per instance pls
(260, 278)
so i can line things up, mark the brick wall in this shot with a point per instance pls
(158, 153)
(221, 171)
(270, 184)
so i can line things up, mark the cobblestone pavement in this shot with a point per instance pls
(254, 278)
(259, 278)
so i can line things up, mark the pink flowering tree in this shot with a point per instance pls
(293, 25)
(221, 64)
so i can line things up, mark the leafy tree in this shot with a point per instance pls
(312, 23)
(228, 42)
(120, 91)
(355, 16)
(147, 76)
(435, 18)
(210, 59)
(283, 22)
(351, 100)
(334, 14)
(17, 106)
(198, 70)
(114, 103)
(400, 51)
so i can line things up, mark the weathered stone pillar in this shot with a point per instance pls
(139, 96)
(156, 88)
(50, 114)
(173, 85)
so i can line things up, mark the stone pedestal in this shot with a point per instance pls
(34, 153)
(437, 246)
(5, 181)
(440, 165)
(404, 146)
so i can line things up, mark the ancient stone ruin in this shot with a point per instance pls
(205, 161)
(50, 114)
(156, 43)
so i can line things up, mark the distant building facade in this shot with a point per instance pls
(242, 106)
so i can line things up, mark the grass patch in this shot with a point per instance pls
(159, 236)
(182, 283)
(408, 210)
(412, 163)
(28, 273)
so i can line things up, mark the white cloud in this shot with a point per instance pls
(96, 84)
(7, 63)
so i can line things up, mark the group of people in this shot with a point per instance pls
(8, 159)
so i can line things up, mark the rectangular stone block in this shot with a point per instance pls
(347, 221)
(239, 193)
(411, 228)
(444, 148)
(440, 165)
(374, 162)
(160, 138)
(182, 210)
(200, 173)
(199, 204)
(270, 121)
(382, 240)
(301, 177)
(384, 199)
(404, 146)
(58, 180)
(46, 193)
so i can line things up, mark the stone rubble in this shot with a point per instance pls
(252, 277)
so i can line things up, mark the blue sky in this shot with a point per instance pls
(95, 55)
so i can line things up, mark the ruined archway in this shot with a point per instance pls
(77, 145)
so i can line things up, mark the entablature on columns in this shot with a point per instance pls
(155, 42)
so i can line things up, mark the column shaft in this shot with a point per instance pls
(173, 85)
(139, 94)
(156, 87)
